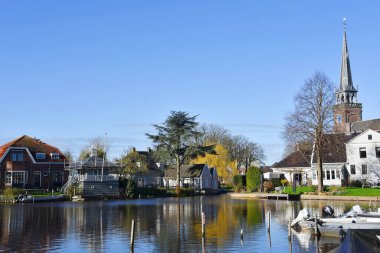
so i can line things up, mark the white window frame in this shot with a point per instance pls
(54, 156)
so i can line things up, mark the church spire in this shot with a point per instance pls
(345, 69)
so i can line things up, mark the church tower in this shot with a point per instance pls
(347, 109)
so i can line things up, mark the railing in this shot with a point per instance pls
(98, 178)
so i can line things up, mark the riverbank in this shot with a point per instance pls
(256, 195)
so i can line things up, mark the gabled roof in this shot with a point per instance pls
(299, 158)
(366, 132)
(194, 170)
(361, 126)
(334, 150)
(34, 145)
(97, 162)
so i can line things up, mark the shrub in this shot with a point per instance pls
(238, 182)
(284, 182)
(130, 188)
(276, 182)
(253, 178)
(12, 192)
(268, 186)
(356, 183)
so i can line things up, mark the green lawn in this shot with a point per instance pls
(299, 189)
(337, 191)
(353, 191)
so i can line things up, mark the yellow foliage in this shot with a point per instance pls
(225, 167)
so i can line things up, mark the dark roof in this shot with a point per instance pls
(34, 145)
(97, 162)
(194, 170)
(334, 150)
(265, 169)
(299, 158)
(361, 126)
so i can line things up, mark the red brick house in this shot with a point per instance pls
(29, 163)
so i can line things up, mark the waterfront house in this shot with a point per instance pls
(363, 157)
(196, 176)
(28, 163)
(94, 177)
(295, 167)
(154, 174)
(214, 180)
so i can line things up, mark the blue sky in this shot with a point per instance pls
(73, 70)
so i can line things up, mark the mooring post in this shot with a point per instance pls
(370, 205)
(316, 225)
(203, 223)
(269, 221)
(241, 234)
(290, 230)
(132, 234)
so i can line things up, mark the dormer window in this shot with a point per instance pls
(54, 156)
(40, 156)
(18, 156)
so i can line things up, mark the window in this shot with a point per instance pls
(364, 169)
(8, 178)
(339, 119)
(54, 156)
(333, 174)
(328, 175)
(314, 175)
(19, 177)
(41, 156)
(323, 175)
(363, 153)
(57, 178)
(377, 149)
(352, 167)
(370, 137)
(46, 173)
(17, 156)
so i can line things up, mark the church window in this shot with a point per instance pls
(363, 153)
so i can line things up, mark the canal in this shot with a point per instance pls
(162, 225)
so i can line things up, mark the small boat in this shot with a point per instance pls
(354, 219)
(32, 199)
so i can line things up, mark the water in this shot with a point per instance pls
(162, 225)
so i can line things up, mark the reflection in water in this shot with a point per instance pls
(162, 225)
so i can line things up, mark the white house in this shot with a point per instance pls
(295, 167)
(363, 157)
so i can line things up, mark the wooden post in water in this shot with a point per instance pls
(203, 223)
(132, 234)
(268, 221)
(316, 225)
(241, 234)
(290, 230)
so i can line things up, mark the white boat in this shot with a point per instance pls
(335, 226)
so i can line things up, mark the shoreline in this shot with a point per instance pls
(305, 197)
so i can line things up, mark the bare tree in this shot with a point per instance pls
(312, 117)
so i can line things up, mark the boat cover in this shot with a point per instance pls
(360, 240)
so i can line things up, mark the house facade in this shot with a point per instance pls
(363, 157)
(154, 174)
(30, 163)
(295, 167)
(93, 177)
(197, 176)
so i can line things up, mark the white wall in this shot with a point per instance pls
(372, 162)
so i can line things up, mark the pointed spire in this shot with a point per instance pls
(345, 70)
